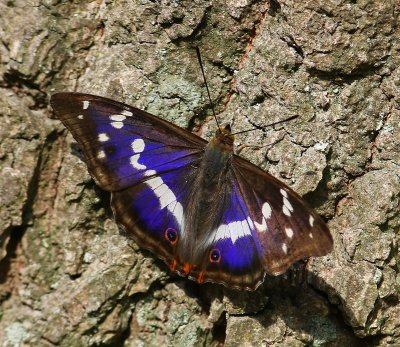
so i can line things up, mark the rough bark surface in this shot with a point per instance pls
(69, 278)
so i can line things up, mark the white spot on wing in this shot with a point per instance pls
(284, 248)
(286, 211)
(160, 190)
(134, 162)
(284, 193)
(287, 207)
(138, 145)
(117, 125)
(80, 116)
(118, 117)
(311, 221)
(165, 195)
(222, 232)
(155, 182)
(101, 155)
(261, 227)
(289, 232)
(235, 230)
(85, 104)
(127, 113)
(148, 173)
(288, 204)
(266, 210)
(311, 235)
(103, 137)
(250, 222)
(177, 211)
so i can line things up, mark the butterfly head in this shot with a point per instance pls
(224, 138)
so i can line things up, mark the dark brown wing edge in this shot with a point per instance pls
(322, 242)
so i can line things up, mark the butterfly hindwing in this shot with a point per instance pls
(233, 255)
(152, 212)
(286, 228)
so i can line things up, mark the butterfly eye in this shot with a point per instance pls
(171, 235)
(215, 256)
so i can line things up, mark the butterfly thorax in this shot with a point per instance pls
(208, 195)
(223, 139)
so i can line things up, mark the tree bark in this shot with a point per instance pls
(69, 278)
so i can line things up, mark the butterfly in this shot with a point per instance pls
(209, 214)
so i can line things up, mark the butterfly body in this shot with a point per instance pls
(205, 200)
(209, 214)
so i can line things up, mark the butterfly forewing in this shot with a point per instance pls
(122, 143)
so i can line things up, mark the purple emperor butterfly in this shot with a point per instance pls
(209, 214)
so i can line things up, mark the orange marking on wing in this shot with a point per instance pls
(186, 268)
(172, 266)
(200, 279)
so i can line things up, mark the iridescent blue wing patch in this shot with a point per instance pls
(286, 228)
(122, 144)
(153, 211)
(232, 251)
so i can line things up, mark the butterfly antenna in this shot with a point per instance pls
(205, 82)
(269, 125)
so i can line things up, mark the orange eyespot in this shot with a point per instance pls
(171, 235)
(215, 255)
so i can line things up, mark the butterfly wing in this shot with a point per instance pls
(286, 228)
(232, 253)
(153, 211)
(123, 144)
(146, 162)
(265, 228)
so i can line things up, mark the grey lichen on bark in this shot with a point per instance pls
(69, 278)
